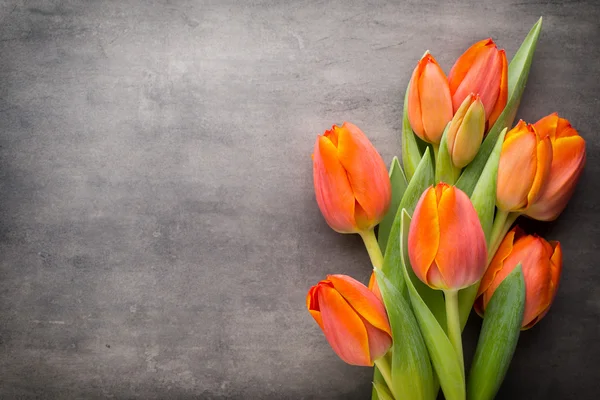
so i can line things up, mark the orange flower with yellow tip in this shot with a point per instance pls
(524, 167)
(429, 101)
(542, 265)
(568, 160)
(352, 185)
(466, 131)
(482, 70)
(352, 318)
(446, 244)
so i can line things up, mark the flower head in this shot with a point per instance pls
(352, 318)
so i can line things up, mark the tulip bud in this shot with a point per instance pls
(352, 318)
(429, 101)
(482, 70)
(542, 264)
(568, 160)
(446, 244)
(523, 169)
(352, 185)
(466, 131)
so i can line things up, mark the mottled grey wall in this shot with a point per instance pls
(158, 230)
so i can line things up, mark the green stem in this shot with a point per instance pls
(383, 365)
(454, 328)
(436, 150)
(502, 224)
(456, 172)
(499, 221)
(373, 248)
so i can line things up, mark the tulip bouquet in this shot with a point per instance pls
(444, 241)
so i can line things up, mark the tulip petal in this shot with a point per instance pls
(435, 278)
(518, 159)
(556, 266)
(464, 63)
(484, 295)
(332, 187)
(568, 159)
(555, 271)
(503, 94)
(414, 110)
(424, 235)
(487, 80)
(362, 300)
(435, 100)
(459, 224)
(374, 286)
(547, 126)
(366, 173)
(312, 304)
(470, 135)
(457, 120)
(343, 328)
(531, 252)
(379, 341)
(482, 76)
(564, 129)
(544, 162)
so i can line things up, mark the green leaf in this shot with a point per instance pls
(412, 376)
(381, 392)
(423, 178)
(484, 194)
(466, 297)
(445, 171)
(518, 71)
(498, 338)
(443, 356)
(410, 147)
(399, 184)
(377, 381)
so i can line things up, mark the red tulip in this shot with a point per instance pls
(481, 70)
(446, 244)
(568, 160)
(523, 169)
(352, 318)
(542, 264)
(351, 181)
(429, 101)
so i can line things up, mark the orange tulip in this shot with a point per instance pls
(446, 244)
(524, 166)
(568, 160)
(429, 101)
(482, 70)
(466, 131)
(542, 264)
(352, 318)
(351, 181)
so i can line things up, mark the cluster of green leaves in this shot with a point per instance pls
(422, 357)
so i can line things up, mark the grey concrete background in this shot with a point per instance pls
(158, 229)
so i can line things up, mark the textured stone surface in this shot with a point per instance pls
(158, 229)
